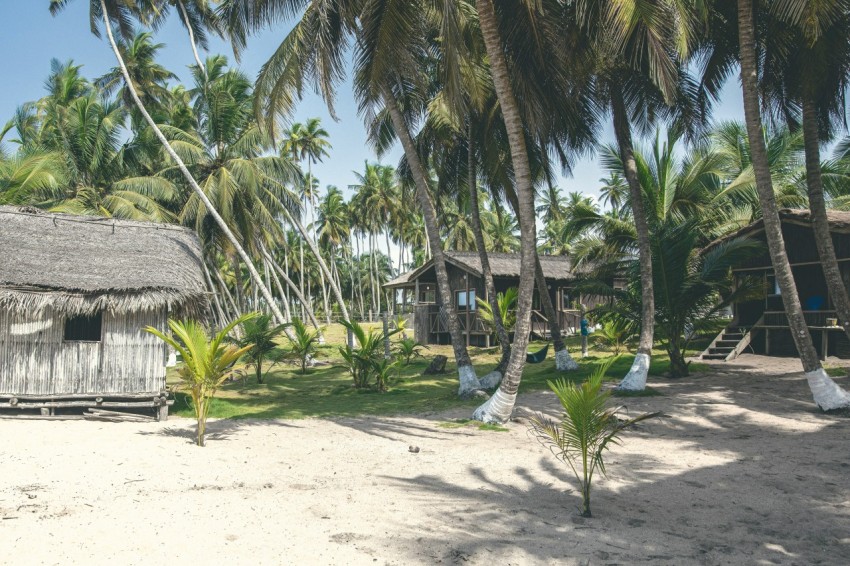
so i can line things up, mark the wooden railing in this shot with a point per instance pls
(438, 321)
(813, 318)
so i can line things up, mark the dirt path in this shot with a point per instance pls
(742, 470)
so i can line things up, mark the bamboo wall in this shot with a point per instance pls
(35, 360)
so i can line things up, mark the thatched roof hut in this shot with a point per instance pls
(555, 267)
(418, 289)
(75, 296)
(80, 265)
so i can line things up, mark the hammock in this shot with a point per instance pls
(537, 357)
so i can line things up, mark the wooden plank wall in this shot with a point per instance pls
(35, 360)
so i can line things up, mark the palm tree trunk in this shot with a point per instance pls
(236, 312)
(294, 287)
(492, 379)
(182, 166)
(390, 304)
(325, 296)
(500, 406)
(466, 373)
(820, 223)
(301, 277)
(359, 277)
(191, 37)
(563, 360)
(635, 380)
(237, 287)
(826, 392)
(322, 265)
(222, 320)
(373, 275)
(280, 289)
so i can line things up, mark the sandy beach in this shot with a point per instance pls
(742, 469)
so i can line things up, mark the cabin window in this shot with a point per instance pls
(427, 296)
(566, 301)
(84, 328)
(466, 300)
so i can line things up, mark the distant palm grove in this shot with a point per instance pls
(490, 101)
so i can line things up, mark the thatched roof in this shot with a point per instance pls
(555, 267)
(839, 222)
(78, 264)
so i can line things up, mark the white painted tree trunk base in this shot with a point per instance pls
(491, 380)
(469, 383)
(635, 380)
(172, 359)
(827, 394)
(564, 361)
(497, 409)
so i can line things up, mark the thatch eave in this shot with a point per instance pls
(76, 302)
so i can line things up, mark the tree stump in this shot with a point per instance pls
(438, 365)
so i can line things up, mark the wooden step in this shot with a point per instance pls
(714, 356)
(726, 343)
(724, 351)
(732, 336)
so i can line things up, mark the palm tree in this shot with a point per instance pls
(826, 392)
(149, 78)
(613, 191)
(308, 142)
(71, 153)
(258, 341)
(121, 14)
(197, 16)
(637, 72)
(499, 407)
(382, 69)
(815, 77)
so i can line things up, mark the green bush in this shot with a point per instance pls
(365, 361)
(586, 428)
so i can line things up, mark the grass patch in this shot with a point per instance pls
(461, 423)
(836, 371)
(648, 392)
(327, 391)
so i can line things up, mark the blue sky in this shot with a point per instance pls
(31, 38)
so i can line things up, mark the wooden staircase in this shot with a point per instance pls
(730, 343)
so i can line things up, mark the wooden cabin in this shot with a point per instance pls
(760, 326)
(75, 295)
(416, 293)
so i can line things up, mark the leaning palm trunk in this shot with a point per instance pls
(291, 284)
(466, 373)
(322, 265)
(185, 171)
(191, 37)
(563, 360)
(280, 291)
(500, 406)
(222, 319)
(827, 394)
(820, 223)
(492, 379)
(635, 380)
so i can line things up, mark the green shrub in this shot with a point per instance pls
(586, 428)
(365, 361)
(259, 336)
(207, 361)
(303, 343)
(407, 349)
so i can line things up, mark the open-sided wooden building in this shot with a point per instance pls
(761, 326)
(418, 294)
(75, 295)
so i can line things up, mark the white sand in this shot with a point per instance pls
(743, 470)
